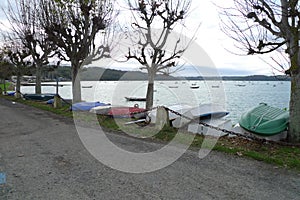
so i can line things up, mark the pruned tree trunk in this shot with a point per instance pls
(150, 90)
(76, 85)
(294, 126)
(18, 86)
(4, 86)
(38, 80)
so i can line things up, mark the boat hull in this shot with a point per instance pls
(265, 120)
(86, 106)
(39, 97)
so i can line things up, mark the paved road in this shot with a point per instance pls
(43, 158)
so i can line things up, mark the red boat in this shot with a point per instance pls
(127, 112)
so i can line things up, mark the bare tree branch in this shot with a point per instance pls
(150, 49)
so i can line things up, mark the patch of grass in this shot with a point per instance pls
(283, 156)
(7, 86)
(64, 111)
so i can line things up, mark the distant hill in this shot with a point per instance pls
(244, 78)
(97, 73)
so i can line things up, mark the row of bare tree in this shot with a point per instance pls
(82, 31)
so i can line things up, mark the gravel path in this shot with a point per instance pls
(43, 158)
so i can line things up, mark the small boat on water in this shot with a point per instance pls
(39, 97)
(194, 86)
(265, 120)
(173, 86)
(86, 106)
(86, 86)
(215, 86)
(135, 98)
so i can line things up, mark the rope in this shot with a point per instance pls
(65, 101)
(260, 119)
(232, 132)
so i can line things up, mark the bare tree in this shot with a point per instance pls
(265, 26)
(18, 55)
(150, 48)
(6, 71)
(74, 27)
(24, 19)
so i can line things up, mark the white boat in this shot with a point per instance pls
(215, 122)
(180, 108)
(201, 112)
(194, 86)
(100, 109)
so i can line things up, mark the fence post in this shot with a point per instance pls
(162, 118)
(57, 102)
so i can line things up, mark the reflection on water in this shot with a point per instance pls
(237, 99)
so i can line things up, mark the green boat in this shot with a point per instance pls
(38, 97)
(265, 120)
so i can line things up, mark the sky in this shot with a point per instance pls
(213, 41)
(217, 45)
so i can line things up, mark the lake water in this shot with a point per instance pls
(237, 96)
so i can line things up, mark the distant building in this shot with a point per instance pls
(27, 79)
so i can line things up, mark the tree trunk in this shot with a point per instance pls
(294, 126)
(18, 86)
(76, 86)
(38, 80)
(4, 86)
(150, 90)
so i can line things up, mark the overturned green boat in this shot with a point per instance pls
(265, 120)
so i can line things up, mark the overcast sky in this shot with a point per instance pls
(215, 42)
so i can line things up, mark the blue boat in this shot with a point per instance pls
(86, 106)
(11, 93)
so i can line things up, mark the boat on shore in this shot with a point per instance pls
(120, 111)
(179, 108)
(127, 112)
(10, 93)
(265, 120)
(39, 97)
(100, 110)
(201, 112)
(86, 106)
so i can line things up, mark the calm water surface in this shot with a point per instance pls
(237, 96)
